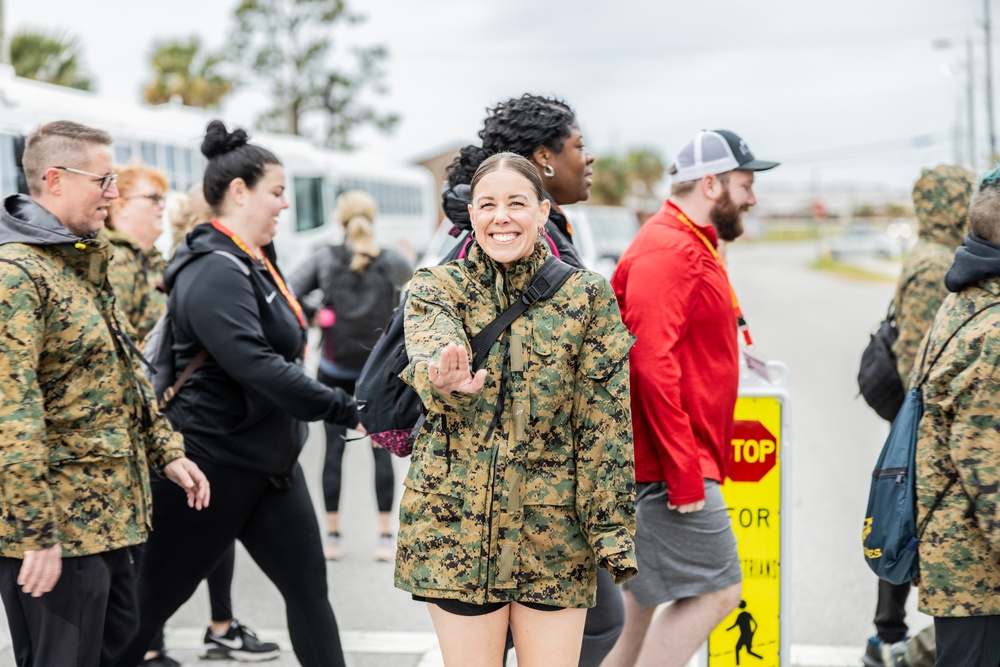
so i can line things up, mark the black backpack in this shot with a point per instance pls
(389, 408)
(362, 304)
(878, 376)
(158, 352)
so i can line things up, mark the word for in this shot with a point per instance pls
(746, 517)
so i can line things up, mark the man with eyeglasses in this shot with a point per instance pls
(78, 422)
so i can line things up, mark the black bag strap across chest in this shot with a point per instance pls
(547, 280)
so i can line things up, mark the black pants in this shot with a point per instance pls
(87, 620)
(220, 589)
(890, 611)
(968, 641)
(332, 467)
(605, 621)
(278, 529)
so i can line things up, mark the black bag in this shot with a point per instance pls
(361, 304)
(158, 352)
(890, 535)
(878, 376)
(389, 408)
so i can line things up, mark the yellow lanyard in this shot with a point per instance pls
(289, 297)
(741, 322)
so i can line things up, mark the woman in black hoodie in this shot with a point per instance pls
(244, 409)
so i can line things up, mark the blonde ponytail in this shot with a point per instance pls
(356, 210)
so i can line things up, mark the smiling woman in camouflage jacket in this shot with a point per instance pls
(521, 481)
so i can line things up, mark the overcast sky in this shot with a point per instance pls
(847, 91)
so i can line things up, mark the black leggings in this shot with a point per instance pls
(220, 589)
(278, 529)
(335, 444)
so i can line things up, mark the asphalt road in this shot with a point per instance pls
(815, 322)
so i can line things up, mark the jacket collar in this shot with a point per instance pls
(674, 213)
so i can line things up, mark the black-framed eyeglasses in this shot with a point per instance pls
(105, 181)
(153, 197)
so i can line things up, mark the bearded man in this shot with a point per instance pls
(675, 297)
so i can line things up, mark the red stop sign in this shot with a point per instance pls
(755, 451)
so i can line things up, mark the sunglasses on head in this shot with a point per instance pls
(105, 181)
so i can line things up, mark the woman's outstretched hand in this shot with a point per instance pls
(452, 372)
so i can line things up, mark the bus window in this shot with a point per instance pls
(176, 168)
(8, 166)
(198, 163)
(392, 199)
(148, 152)
(123, 152)
(308, 204)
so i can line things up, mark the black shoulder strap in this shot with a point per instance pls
(927, 370)
(548, 280)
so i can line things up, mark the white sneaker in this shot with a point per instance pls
(332, 549)
(386, 549)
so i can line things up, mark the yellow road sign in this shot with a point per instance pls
(751, 634)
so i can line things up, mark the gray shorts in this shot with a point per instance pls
(682, 555)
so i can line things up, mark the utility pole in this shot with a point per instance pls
(4, 42)
(989, 81)
(970, 94)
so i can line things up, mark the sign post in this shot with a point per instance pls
(758, 494)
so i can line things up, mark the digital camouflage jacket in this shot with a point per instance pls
(134, 275)
(75, 421)
(525, 502)
(941, 202)
(959, 438)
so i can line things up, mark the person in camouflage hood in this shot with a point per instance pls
(135, 220)
(941, 202)
(958, 448)
(521, 480)
(77, 416)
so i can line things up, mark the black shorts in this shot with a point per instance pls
(460, 608)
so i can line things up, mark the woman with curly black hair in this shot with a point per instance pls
(544, 130)
(242, 411)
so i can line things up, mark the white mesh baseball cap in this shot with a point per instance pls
(715, 152)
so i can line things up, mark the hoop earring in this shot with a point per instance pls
(549, 171)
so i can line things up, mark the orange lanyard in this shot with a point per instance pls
(741, 322)
(289, 297)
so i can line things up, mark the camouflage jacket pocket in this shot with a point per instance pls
(89, 446)
(435, 552)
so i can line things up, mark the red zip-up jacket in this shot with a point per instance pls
(676, 300)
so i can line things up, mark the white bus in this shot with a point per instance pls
(169, 138)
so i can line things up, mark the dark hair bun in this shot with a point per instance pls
(218, 140)
(462, 168)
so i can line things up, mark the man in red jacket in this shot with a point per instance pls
(675, 297)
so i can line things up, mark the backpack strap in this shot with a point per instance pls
(202, 355)
(927, 370)
(547, 280)
(236, 260)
